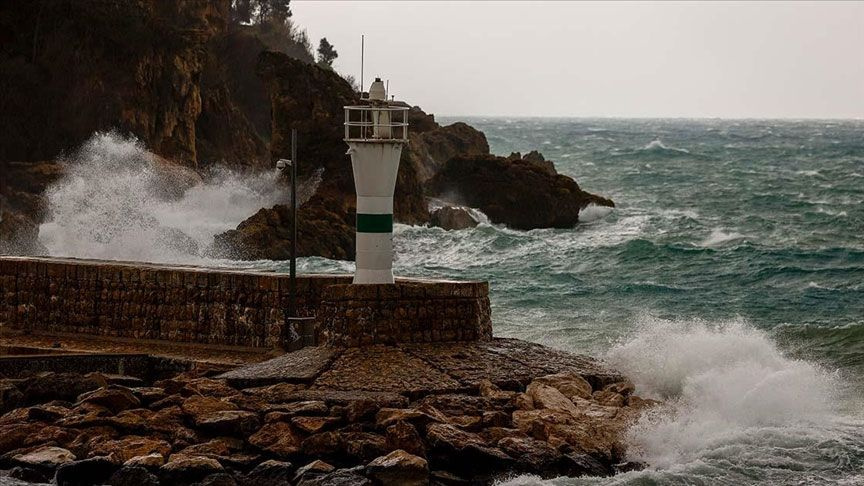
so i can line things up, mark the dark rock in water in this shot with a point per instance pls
(452, 218)
(518, 193)
(133, 476)
(96, 470)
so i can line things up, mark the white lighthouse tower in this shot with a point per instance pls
(375, 132)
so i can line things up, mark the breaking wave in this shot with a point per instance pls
(118, 201)
(657, 146)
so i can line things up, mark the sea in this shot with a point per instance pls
(728, 281)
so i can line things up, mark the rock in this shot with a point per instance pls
(313, 425)
(61, 386)
(314, 468)
(364, 445)
(339, 477)
(422, 417)
(150, 460)
(284, 412)
(169, 401)
(538, 160)
(186, 469)
(28, 475)
(405, 436)
(218, 479)
(624, 388)
(10, 397)
(122, 450)
(215, 448)
(277, 438)
(115, 398)
(271, 473)
(237, 423)
(452, 218)
(609, 398)
(517, 193)
(399, 468)
(96, 470)
(148, 395)
(133, 476)
(531, 455)
(46, 457)
(47, 412)
(495, 419)
(570, 384)
(468, 450)
(546, 397)
(322, 444)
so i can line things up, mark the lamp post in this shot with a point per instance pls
(305, 336)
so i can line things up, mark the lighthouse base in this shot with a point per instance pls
(366, 276)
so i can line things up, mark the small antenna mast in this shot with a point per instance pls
(362, 54)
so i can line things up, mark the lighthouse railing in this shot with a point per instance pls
(371, 123)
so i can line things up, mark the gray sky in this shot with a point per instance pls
(731, 60)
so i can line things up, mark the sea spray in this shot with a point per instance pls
(118, 201)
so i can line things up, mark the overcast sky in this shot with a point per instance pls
(730, 60)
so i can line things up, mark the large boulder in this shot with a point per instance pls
(517, 193)
(453, 218)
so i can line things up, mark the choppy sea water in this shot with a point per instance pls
(729, 281)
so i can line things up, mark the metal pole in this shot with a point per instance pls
(292, 303)
(362, 53)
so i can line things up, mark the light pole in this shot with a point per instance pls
(305, 336)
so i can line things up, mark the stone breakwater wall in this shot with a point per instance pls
(228, 307)
(408, 312)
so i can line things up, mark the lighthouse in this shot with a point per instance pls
(375, 132)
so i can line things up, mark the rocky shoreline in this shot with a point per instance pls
(467, 413)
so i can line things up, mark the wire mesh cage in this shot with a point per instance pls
(376, 123)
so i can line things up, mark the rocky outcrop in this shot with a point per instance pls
(519, 193)
(568, 423)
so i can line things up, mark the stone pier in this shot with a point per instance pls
(239, 308)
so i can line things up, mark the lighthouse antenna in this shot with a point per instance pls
(362, 55)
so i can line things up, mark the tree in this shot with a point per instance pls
(257, 12)
(326, 53)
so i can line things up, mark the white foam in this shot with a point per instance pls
(724, 382)
(720, 237)
(112, 204)
(657, 145)
(593, 212)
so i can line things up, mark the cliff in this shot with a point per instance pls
(199, 91)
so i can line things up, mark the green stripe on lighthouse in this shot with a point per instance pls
(374, 223)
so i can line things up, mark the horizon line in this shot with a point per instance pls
(646, 117)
